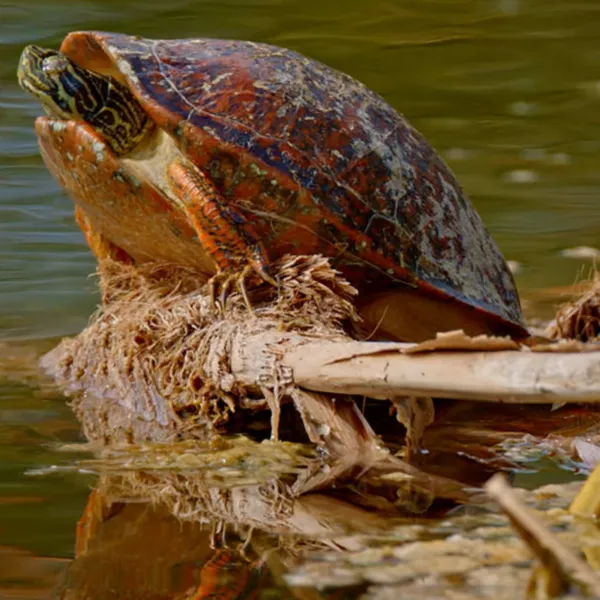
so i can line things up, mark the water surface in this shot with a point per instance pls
(507, 90)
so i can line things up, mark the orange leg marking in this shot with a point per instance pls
(221, 230)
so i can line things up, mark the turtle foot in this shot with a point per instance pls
(224, 282)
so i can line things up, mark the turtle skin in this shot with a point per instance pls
(302, 159)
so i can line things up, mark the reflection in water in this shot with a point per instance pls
(185, 560)
(127, 548)
(300, 548)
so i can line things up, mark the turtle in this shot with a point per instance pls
(226, 155)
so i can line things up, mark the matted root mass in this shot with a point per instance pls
(154, 364)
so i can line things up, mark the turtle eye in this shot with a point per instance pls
(55, 65)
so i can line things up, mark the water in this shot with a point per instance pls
(507, 90)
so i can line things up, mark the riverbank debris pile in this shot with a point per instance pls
(211, 407)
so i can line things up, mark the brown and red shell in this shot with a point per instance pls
(316, 162)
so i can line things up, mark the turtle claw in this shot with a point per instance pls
(222, 283)
(213, 284)
(240, 284)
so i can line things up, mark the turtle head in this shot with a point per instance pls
(70, 92)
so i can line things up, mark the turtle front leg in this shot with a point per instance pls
(221, 230)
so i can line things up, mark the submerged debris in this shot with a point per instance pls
(587, 502)
(559, 567)
(467, 556)
(221, 462)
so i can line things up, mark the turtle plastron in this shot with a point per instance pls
(100, 246)
(221, 230)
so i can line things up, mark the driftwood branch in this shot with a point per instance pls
(382, 371)
(470, 369)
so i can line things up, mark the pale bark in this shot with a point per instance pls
(383, 370)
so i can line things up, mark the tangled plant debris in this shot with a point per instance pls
(160, 354)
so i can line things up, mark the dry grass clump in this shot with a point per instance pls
(579, 318)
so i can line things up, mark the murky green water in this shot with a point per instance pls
(507, 90)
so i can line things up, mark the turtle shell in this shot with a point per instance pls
(316, 163)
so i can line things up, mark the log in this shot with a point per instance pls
(386, 370)
(454, 366)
